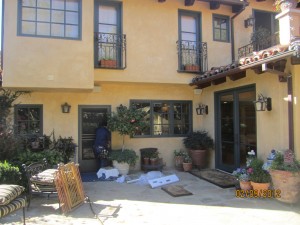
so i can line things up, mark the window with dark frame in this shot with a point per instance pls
(28, 120)
(50, 18)
(221, 28)
(165, 118)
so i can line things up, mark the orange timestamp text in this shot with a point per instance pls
(265, 193)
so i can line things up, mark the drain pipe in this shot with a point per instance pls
(290, 111)
(232, 29)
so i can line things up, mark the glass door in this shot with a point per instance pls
(235, 127)
(89, 118)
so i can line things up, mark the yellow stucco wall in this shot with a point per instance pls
(33, 62)
(272, 126)
(152, 32)
(66, 124)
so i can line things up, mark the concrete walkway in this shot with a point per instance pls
(138, 204)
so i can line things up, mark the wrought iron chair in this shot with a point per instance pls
(40, 179)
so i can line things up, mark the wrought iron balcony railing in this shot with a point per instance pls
(256, 46)
(110, 50)
(192, 56)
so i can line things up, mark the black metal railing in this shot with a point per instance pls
(192, 56)
(110, 50)
(255, 46)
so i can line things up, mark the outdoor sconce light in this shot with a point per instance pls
(202, 109)
(263, 103)
(65, 108)
(249, 22)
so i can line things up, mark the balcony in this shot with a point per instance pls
(110, 50)
(259, 45)
(192, 56)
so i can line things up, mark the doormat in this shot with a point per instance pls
(176, 190)
(216, 177)
(92, 177)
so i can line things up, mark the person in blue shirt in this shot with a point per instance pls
(102, 144)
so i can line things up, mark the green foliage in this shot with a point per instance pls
(187, 159)
(179, 153)
(279, 164)
(257, 173)
(66, 147)
(7, 97)
(127, 155)
(198, 140)
(27, 157)
(127, 121)
(9, 174)
(10, 145)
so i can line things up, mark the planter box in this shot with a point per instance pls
(192, 68)
(108, 63)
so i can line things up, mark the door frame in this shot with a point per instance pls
(80, 108)
(218, 150)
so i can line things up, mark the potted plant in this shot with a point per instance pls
(126, 121)
(260, 178)
(108, 62)
(123, 159)
(243, 177)
(285, 174)
(178, 158)
(191, 67)
(198, 143)
(187, 163)
(154, 158)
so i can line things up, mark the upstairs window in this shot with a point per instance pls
(50, 18)
(221, 28)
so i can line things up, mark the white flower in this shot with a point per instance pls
(252, 152)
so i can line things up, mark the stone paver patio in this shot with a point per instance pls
(135, 203)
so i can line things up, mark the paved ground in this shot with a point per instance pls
(137, 204)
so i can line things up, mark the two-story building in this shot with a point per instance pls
(165, 56)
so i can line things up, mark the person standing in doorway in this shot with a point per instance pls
(102, 144)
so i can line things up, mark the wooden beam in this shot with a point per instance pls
(214, 5)
(189, 2)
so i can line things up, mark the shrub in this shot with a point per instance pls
(9, 174)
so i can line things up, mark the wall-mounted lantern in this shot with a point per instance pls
(65, 108)
(249, 22)
(202, 109)
(263, 103)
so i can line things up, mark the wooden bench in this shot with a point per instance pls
(40, 179)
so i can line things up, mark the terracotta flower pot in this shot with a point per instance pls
(245, 185)
(260, 187)
(178, 162)
(187, 166)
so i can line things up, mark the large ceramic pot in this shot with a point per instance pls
(122, 167)
(288, 184)
(199, 158)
